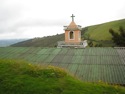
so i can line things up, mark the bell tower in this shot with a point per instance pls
(72, 36)
(72, 33)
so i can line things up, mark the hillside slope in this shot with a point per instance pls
(101, 31)
(49, 41)
(17, 77)
(97, 33)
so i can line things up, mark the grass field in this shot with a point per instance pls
(19, 77)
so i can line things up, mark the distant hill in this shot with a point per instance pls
(98, 34)
(49, 41)
(8, 42)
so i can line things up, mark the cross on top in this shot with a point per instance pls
(72, 17)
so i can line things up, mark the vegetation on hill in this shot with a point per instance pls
(18, 77)
(101, 31)
(118, 37)
(49, 41)
(98, 35)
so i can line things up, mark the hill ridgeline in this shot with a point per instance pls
(98, 34)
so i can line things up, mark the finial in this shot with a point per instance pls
(72, 18)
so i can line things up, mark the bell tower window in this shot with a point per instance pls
(71, 35)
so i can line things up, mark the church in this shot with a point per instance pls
(72, 36)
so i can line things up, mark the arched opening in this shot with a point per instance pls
(71, 34)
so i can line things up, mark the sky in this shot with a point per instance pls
(39, 18)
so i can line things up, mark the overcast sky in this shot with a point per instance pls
(38, 18)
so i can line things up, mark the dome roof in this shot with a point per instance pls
(72, 27)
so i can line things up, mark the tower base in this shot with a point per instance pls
(63, 44)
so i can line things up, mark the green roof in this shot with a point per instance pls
(89, 64)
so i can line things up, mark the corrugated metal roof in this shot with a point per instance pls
(90, 64)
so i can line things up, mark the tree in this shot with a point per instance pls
(118, 38)
(90, 44)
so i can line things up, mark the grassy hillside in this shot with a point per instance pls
(98, 34)
(49, 41)
(101, 31)
(17, 77)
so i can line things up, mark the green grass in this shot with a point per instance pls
(18, 77)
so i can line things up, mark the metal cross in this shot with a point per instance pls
(72, 17)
